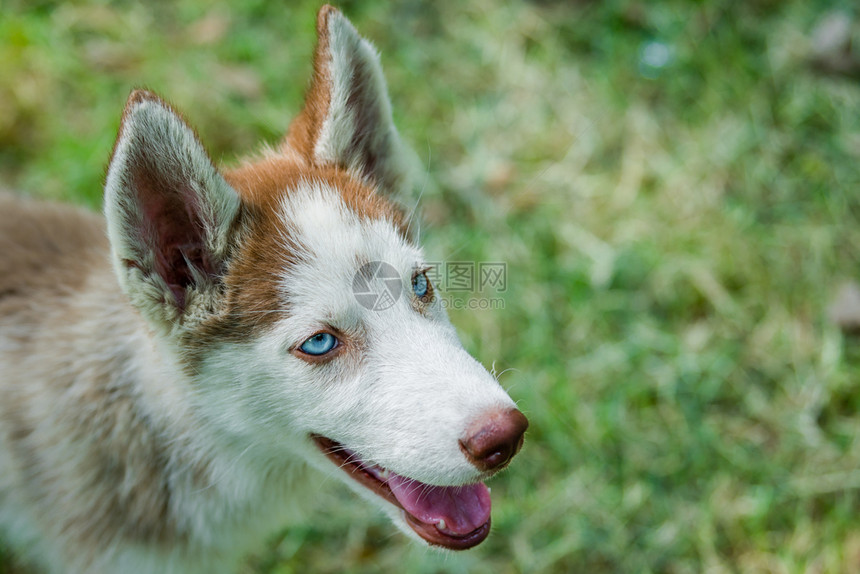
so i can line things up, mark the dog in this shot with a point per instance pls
(166, 367)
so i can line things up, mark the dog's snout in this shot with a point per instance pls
(493, 439)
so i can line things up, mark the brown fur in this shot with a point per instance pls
(306, 126)
(42, 245)
(251, 303)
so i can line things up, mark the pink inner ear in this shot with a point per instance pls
(171, 228)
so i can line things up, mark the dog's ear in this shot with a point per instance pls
(169, 211)
(346, 120)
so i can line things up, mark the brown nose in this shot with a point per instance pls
(493, 439)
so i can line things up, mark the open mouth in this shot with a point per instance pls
(454, 517)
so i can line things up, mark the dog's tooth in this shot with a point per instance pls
(441, 524)
(385, 474)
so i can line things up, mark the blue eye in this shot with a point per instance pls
(319, 344)
(420, 285)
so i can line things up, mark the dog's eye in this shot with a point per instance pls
(420, 285)
(319, 344)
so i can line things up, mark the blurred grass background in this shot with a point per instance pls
(674, 187)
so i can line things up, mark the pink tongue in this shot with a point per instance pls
(463, 508)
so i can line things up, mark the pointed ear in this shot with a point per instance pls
(169, 211)
(347, 119)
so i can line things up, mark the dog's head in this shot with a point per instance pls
(292, 295)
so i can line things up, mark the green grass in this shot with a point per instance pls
(673, 237)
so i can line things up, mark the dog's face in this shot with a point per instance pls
(291, 293)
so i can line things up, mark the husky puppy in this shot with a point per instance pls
(162, 369)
